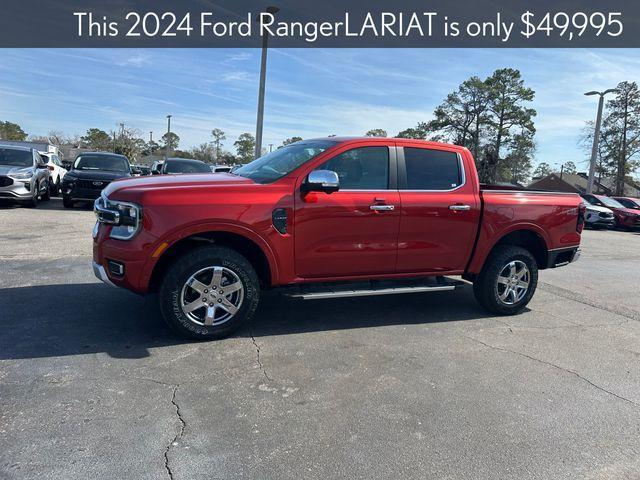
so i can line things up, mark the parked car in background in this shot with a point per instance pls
(67, 164)
(625, 217)
(328, 218)
(220, 168)
(598, 217)
(184, 165)
(156, 167)
(140, 170)
(91, 173)
(24, 176)
(56, 171)
(628, 202)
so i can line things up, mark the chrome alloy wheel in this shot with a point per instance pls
(212, 296)
(512, 283)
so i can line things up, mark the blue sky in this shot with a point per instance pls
(310, 92)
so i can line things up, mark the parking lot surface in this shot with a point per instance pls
(93, 385)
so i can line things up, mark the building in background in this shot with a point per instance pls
(39, 146)
(577, 183)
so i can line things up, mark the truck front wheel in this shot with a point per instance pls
(508, 280)
(209, 292)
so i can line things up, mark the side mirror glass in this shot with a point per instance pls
(322, 181)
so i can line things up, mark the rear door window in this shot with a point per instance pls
(431, 169)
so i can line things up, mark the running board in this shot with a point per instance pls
(371, 288)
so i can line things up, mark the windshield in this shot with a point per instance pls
(185, 166)
(282, 161)
(610, 202)
(16, 158)
(629, 203)
(105, 163)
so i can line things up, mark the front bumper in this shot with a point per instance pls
(101, 274)
(629, 221)
(17, 189)
(82, 189)
(132, 254)
(610, 222)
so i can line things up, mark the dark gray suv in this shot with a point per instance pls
(24, 176)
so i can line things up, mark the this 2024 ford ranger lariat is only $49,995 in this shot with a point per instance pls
(324, 218)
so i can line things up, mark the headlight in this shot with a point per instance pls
(25, 174)
(124, 217)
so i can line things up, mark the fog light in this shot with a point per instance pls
(116, 268)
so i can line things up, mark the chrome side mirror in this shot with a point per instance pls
(322, 181)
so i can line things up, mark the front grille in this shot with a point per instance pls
(88, 184)
(5, 181)
(605, 215)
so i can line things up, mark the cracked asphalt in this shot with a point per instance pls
(92, 385)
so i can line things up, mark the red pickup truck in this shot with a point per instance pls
(332, 217)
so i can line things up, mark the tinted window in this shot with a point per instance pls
(185, 166)
(593, 200)
(431, 169)
(106, 163)
(16, 158)
(610, 202)
(627, 203)
(365, 168)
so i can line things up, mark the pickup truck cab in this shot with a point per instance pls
(330, 217)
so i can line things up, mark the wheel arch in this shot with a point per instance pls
(528, 237)
(250, 248)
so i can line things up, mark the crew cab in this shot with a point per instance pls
(326, 218)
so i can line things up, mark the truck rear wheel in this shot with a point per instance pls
(508, 280)
(209, 293)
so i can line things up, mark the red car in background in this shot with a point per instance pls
(625, 217)
(628, 202)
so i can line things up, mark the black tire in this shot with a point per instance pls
(187, 265)
(46, 196)
(33, 203)
(486, 288)
(67, 202)
(54, 189)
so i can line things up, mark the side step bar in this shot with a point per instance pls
(365, 289)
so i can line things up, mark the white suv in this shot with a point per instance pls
(56, 171)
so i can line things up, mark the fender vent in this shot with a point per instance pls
(279, 219)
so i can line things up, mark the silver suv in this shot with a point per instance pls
(24, 175)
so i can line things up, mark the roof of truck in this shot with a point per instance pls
(346, 139)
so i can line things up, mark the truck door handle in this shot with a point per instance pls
(384, 208)
(458, 208)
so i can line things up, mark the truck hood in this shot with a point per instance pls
(139, 185)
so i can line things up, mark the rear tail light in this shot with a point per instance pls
(580, 224)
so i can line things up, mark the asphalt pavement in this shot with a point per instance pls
(93, 385)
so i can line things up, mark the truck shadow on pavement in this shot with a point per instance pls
(75, 319)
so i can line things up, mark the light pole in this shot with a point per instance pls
(263, 75)
(168, 135)
(596, 136)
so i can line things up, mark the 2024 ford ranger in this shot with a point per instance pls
(333, 217)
